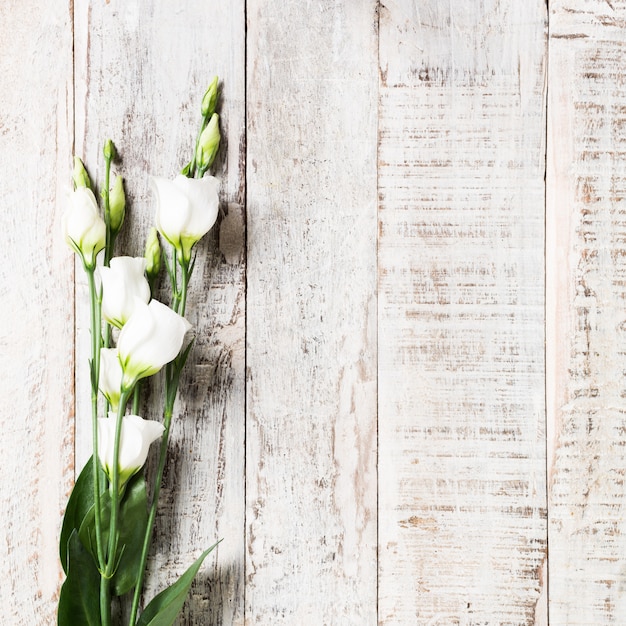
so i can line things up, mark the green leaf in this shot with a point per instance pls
(133, 523)
(164, 608)
(79, 602)
(133, 520)
(79, 504)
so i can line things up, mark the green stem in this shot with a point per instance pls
(110, 235)
(96, 343)
(182, 303)
(192, 169)
(105, 600)
(109, 570)
(167, 415)
(136, 397)
(96, 339)
(115, 486)
(172, 377)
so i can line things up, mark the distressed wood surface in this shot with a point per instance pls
(37, 316)
(311, 354)
(362, 420)
(141, 70)
(586, 313)
(462, 513)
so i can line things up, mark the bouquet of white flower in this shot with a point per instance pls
(109, 518)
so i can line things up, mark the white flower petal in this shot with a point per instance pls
(110, 380)
(152, 337)
(187, 208)
(123, 284)
(204, 203)
(173, 210)
(135, 438)
(83, 228)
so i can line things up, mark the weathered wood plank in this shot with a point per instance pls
(311, 403)
(462, 520)
(141, 70)
(36, 319)
(586, 246)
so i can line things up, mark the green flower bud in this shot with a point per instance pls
(185, 171)
(117, 204)
(208, 144)
(152, 255)
(209, 100)
(79, 175)
(109, 150)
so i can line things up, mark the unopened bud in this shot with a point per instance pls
(109, 150)
(185, 171)
(79, 175)
(208, 144)
(209, 100)
(117, 204)
(153, 255)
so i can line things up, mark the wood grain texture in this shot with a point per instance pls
(462, 496)
(311, 353)
(36, 319)
(434, 513)
(587, 191)
(141, 70)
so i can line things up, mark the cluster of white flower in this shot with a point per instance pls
(151, 333)
(133, 336)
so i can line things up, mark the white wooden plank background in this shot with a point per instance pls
(37, 314)
(311, 338)
(363, 421)
(461, 387)
(586, 185)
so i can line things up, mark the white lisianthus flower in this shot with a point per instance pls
(110, 380)
(152, 337)
(123, 284)
(83, 228)
(136, 436)
(186, 210)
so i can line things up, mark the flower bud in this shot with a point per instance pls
(109, 150)
(79, 175)
(135, 438)
(208, 144)
(123, 286)
(84, 229)
(117, 204)
(186, 210)
(110, 379)
(209, 100)
(153, 255)
(186, 170)
(152, 337)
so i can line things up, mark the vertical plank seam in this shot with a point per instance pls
(376, 278)
(72, 11)
(546, 582)
(244, 201)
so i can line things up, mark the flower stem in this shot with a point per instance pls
(110, 235)
(172, 377)
(136, 397)
(96, 344)
(115, 485)
(111, 562)
(96, 341)
(105, 600)
(167, 414)
(185, 274)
